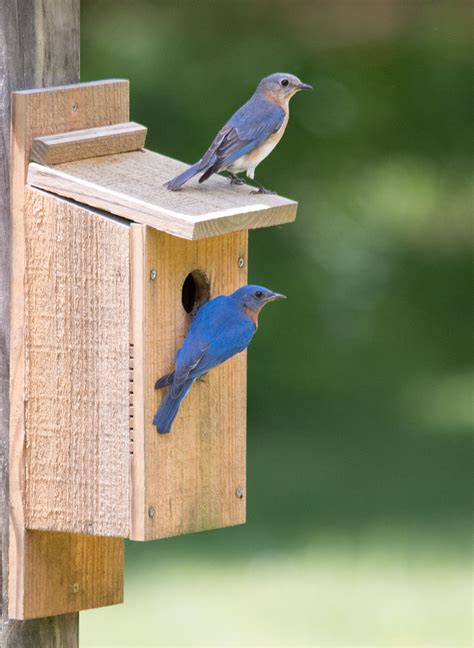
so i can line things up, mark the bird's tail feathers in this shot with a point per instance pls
(166, 414)
(168, 410)
(205, 176)
(165, 381)
(176, 183)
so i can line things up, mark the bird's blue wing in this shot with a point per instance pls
(227, 331)
(227, 342)
(246, 130)
(195, 344)
(218, 332)
(188, 358)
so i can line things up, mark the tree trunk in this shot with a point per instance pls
(39, 47)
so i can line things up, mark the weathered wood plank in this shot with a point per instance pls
(88, 143)
(185, 481)
(35, 113)
(76, 369)
(131, 185)
(39, 46)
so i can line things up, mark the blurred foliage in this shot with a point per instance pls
(360, 385)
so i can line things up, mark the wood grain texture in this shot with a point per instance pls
(35, 113)
(88, 143)
(83, 571)
(76, 369)
(39, 46)
(187, 480)
(131, 185)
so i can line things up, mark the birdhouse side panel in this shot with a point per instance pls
(193, 478)
(76, 369)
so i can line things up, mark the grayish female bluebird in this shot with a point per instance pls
(250, 134)
(223, 327)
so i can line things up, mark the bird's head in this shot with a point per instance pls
(280, 87)
(253, 298)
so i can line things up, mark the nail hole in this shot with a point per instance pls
(195, 291)
(74, 107)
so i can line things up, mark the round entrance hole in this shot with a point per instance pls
(195, 291)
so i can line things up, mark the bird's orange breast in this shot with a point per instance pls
(253, 314)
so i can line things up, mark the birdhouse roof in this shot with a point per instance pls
(130, 185)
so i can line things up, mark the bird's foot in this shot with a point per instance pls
(235, 180)
(263, 190)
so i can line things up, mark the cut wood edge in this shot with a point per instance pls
(72, 86)
(137, 385)
(88, 143)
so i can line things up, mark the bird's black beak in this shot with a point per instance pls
(274, 297)
(305, 86)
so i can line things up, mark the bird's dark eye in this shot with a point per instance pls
(284, 82)
(259, 294)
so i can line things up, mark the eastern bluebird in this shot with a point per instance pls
(222, 327)
(250, 134)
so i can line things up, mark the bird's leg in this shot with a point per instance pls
(261, 189)
(235, 180)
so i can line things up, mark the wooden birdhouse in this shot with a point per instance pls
(109, 269)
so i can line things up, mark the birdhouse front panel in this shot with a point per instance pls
(194, 477)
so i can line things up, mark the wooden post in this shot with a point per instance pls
(39, 46)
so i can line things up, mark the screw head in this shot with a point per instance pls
(239, 492)
(153, 275)
(74, 107)
(241, 262)
(75, 588)
(151, 511)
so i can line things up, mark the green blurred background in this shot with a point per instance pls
(359, 439)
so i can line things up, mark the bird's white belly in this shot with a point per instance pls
(253, 159)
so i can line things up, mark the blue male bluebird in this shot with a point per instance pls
(250, 134)
(222, 327)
